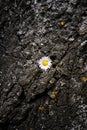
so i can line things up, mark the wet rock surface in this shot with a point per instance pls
(33, 99)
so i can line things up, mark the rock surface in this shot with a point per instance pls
(32, 99)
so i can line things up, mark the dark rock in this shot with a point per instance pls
(33, 99)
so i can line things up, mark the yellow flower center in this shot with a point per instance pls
(45, 62)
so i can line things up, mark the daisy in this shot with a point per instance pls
(45, 63)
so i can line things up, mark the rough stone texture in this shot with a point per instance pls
(31, 99)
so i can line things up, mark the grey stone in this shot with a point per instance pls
(31, 98)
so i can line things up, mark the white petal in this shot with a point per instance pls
(42, 66)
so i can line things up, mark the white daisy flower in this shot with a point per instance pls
(45, 63)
